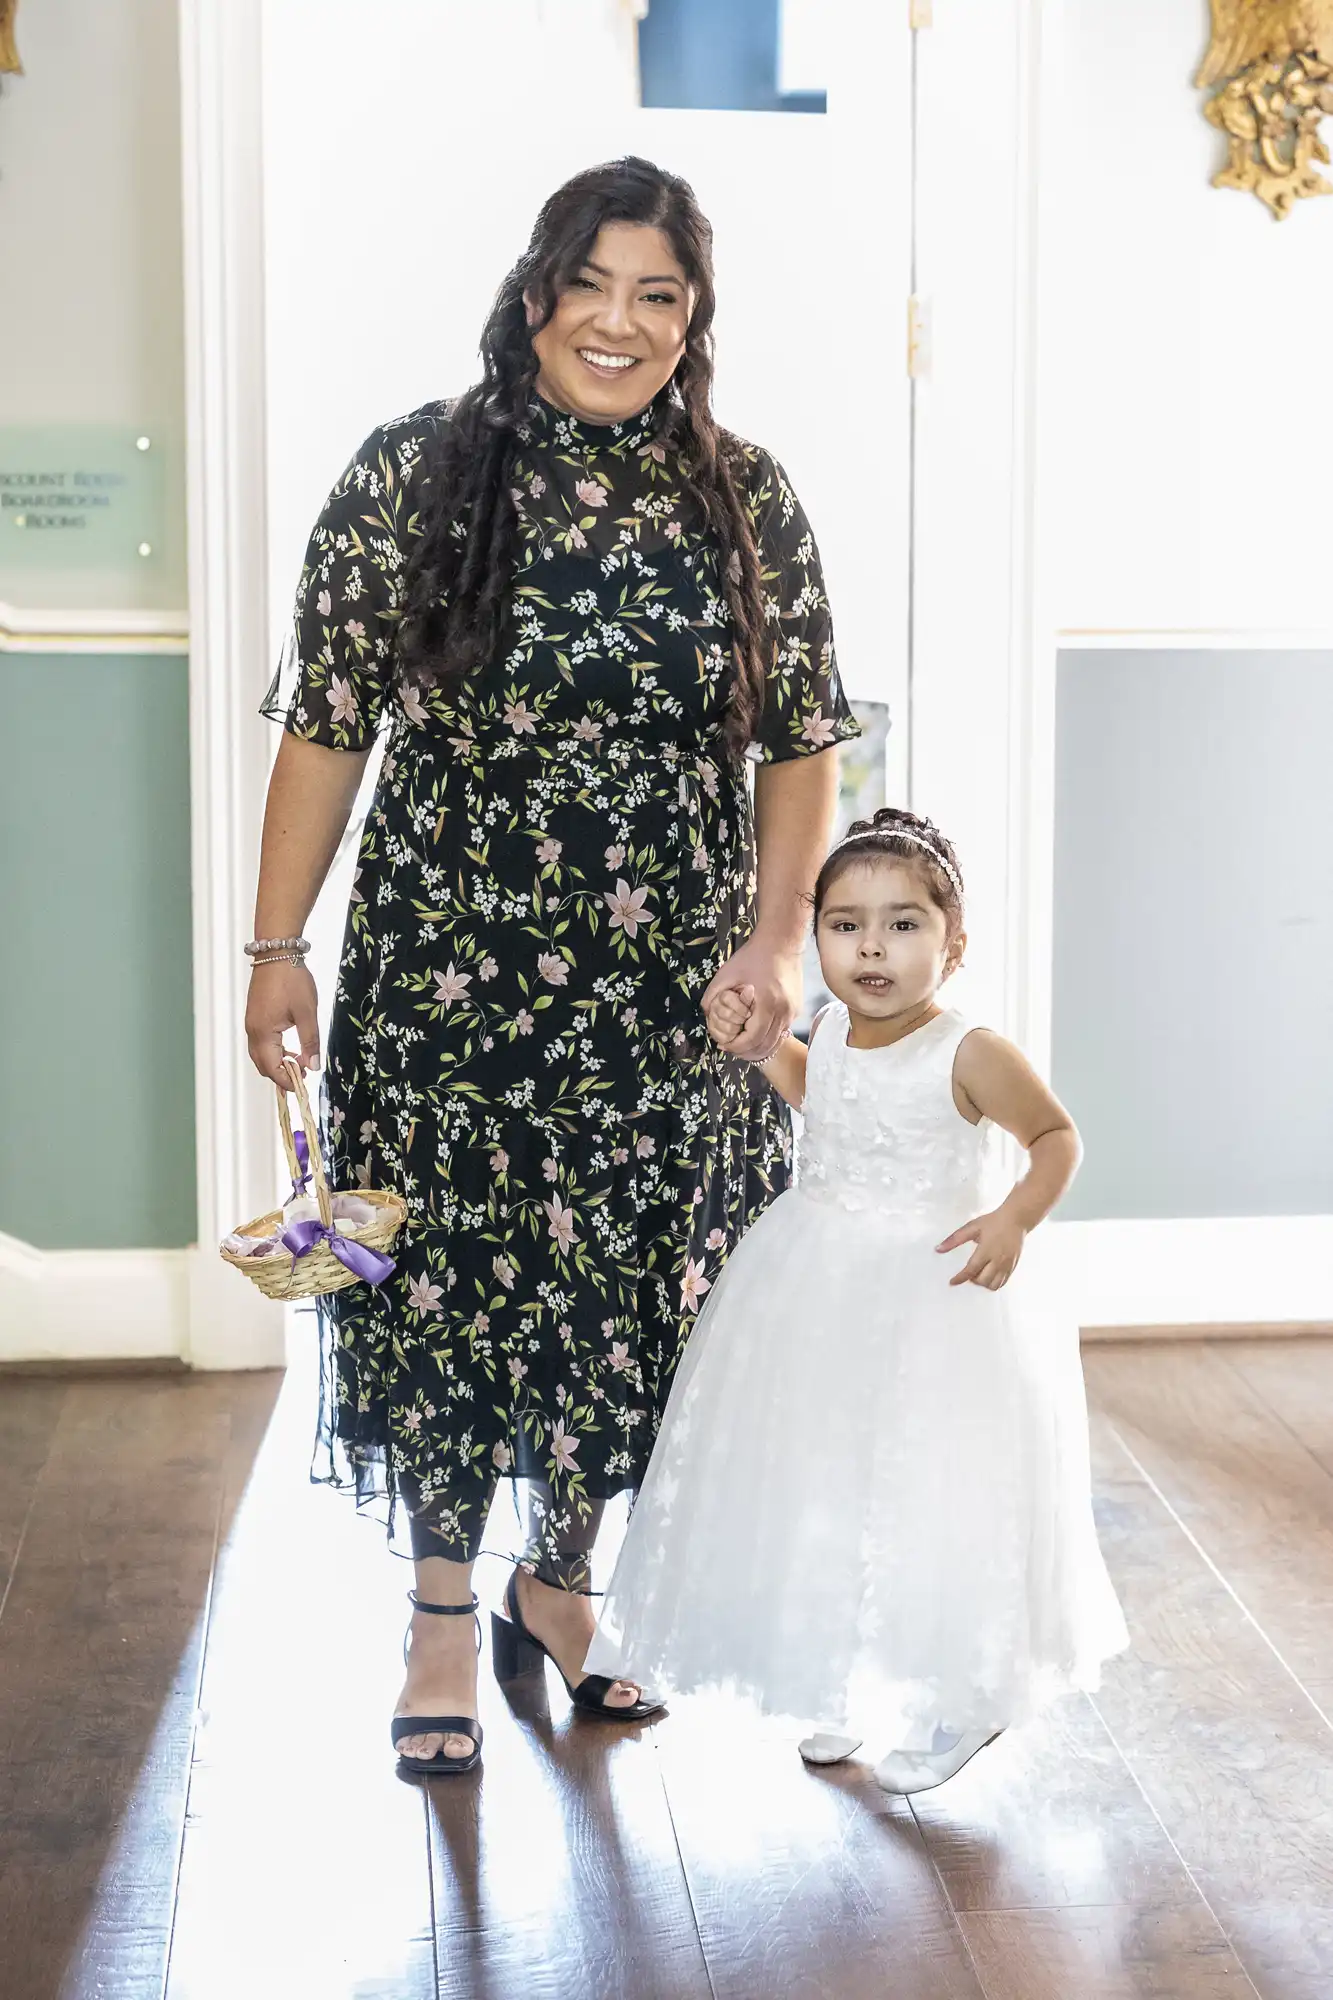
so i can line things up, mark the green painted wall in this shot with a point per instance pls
(96, 1023)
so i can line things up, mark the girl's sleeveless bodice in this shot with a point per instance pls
(882, 1134)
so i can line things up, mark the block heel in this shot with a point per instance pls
(513, 1653)
(515, 1650)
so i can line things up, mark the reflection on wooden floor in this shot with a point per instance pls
(198, 1656)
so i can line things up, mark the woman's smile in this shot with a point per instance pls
(606, 364)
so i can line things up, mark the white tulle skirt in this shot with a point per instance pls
(869, 1503)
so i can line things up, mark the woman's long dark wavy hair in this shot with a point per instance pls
(458, 575)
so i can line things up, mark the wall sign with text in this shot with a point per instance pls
(80, 496)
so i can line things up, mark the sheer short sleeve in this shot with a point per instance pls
(805, 709)
(336, 670)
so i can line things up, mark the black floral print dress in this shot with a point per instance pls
(558, 858)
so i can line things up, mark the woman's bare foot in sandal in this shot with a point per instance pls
(441, 1680)
(564, 1621)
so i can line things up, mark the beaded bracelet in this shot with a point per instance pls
(258, 946)
(280, 958)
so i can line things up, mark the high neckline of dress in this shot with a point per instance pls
(548, 425)
(914, 1035)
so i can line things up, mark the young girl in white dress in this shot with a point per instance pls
(869, 1504)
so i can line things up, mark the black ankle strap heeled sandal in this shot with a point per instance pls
(515, 1650)
(439, 1765)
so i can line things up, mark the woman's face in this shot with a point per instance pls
(618, 330)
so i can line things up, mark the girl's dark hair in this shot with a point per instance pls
(458, 575)
(896, 835)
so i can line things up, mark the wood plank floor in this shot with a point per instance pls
(198, 1654)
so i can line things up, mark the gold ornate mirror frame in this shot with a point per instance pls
(1270, 68)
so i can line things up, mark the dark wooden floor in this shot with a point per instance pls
(198, 1654)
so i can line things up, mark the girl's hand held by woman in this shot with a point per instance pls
(771, 976)
(728, 1013)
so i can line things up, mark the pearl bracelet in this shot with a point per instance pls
(258, 946)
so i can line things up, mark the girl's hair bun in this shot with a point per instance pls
(889, 817)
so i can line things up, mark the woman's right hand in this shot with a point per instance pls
(281, 997)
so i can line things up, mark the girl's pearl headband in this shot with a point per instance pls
(914, 839)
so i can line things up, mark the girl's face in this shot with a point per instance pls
(883, 942)
(618, 330)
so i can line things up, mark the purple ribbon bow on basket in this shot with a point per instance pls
(301, 1147)
(372, 1265)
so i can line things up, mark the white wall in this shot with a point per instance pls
(1186, 343)
(407, 153)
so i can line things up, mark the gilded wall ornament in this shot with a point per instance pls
(9, 54)
(1270, 68)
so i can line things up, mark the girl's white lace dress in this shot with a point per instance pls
(869, 1506)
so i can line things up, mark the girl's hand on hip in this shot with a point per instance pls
(999, 1240)
(281, 997)
(774, 977)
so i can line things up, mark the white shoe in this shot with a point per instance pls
(908, 1771)
(825, 1747)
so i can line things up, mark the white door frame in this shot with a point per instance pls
(1216, 1275)
(974, 587)
(230, 1324)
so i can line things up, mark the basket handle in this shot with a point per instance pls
(297, 1075)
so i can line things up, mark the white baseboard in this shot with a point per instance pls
(133, 1305)
(1209, 1275)
(231, 1324)
(92, 1305)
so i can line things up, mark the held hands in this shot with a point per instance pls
(281, 997)
(764, 980)
(999, 1239)
(728, 1015)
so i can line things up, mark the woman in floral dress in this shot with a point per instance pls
(573, 604)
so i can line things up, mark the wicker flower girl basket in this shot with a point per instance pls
(315, 1269)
